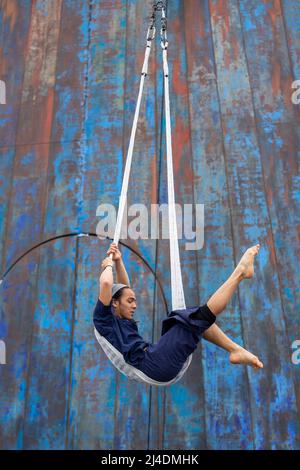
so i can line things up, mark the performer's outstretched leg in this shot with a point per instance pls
(244, 270)
(217, 304)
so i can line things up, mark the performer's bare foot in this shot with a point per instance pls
(245, 266)
(242, 356)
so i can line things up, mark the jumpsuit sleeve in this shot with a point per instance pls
(103, 318)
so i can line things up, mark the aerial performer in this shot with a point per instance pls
(165, 362)
(181, 330)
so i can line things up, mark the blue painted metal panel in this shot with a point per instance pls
(73, 82)
(182, 430)
(228, 421)
(250, 219)
(277, 121)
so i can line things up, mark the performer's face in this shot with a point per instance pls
(126, 304)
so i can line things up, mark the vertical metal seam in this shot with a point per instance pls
(116, 374)
(83, 136)
(69, 393)
(151, 390)
(229, 202)
(192, 160)
(44, 200)
(82, 150)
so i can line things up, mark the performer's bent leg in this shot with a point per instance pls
(218, 302)
(238, 355)
(244, 270)
(215, 335)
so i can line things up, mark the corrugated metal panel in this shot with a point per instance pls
(72, 71)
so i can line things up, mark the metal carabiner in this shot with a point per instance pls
(158, 6)
(150, 36)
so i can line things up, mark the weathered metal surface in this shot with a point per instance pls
(14, 31)
(277, 121)
(72, 71)
(251, 218)
(226, 394)
(187, 429)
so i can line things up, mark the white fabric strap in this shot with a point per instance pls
(123, 195)
(178, 300)
(131, 372)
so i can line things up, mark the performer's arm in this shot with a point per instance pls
(121, 273)
(106, 281)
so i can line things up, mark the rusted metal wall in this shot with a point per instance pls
(71, 70)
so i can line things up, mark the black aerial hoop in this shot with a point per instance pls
(79, 235)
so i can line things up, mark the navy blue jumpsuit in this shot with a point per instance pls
(181, 332)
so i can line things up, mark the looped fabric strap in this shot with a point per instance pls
(131, 372)
(178, 300)
(124, 190)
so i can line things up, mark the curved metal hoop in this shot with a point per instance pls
(86, 234)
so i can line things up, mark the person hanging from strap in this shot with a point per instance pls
(163, 363)
(181, 330)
